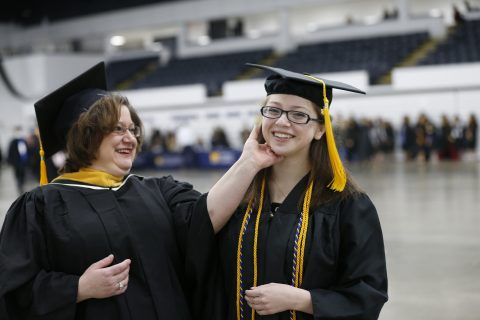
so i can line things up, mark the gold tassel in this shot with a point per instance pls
(43, 166)
(339, 177)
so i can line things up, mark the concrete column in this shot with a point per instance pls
(403, 10)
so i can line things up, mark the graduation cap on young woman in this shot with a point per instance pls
(318, 91)
(57, 111)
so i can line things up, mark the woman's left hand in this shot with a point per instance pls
(260, 155)
(276, 297)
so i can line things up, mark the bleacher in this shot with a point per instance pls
(125, 70)
(211, 71)
(376, 55)
(462, 46)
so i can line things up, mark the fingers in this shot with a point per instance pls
(121, 276)
(119, 267)
(256, 303)
(105, 262)
(253, 298)
(251, 292)
(255, 132)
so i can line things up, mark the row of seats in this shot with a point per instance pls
(125, 70)
(212, 71)
(462, 46)
(376, 55)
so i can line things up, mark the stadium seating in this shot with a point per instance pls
(211, 71)
(462, 46)
(376, 55)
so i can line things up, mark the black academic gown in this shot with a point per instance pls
(344, 266)
(52, 234)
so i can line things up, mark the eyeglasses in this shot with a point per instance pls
(121, 130)
(293, 116)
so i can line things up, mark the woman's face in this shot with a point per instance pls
(117, 151)
(285, 137)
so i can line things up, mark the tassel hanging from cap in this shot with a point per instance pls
(43, 166)
(339, 176)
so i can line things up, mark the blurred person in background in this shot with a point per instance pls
(219, 139)
(425, 141)
(447, 147)
(100, 243)
(351, 139)
(457, 134)
(186, 140)
(407, 139)
(306, 242)
(18, 157)
(470, 133)
(157, 142)
(53, 163)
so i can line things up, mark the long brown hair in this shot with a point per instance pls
(321, 174)
(87, 133)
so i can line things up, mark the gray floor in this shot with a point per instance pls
(431, 219)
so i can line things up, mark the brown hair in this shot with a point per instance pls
(87, 133)
(321, 174)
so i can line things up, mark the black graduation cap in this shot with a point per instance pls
(302, 85)
(57, 111)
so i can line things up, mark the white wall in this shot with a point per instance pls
(34, 75)
(437, 77)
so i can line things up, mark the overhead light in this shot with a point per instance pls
(117, 41)
(203, 40)
(435, 13)
(371, 20)
(253, 34)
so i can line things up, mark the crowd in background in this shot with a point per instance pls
(366, 139)
(359, 140)
(419, 140)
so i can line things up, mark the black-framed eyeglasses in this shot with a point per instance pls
(292, 115)
(121, 130)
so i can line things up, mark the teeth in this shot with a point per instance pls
(282, 135)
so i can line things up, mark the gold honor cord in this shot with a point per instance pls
(339, 176)
(246, 219)
(297, 274)
(300, 244)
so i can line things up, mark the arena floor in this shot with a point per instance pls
(430, 214)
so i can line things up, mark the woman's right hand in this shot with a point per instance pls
(103, 280)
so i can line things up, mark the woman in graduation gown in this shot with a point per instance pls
(307, 242)
(100, 243)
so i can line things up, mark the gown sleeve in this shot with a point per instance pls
(28, 287)
(196, 239)
(361, 287)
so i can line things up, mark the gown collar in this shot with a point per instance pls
(92, 177)
(291, 202)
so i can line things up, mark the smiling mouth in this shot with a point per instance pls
(282, 135)
(124, 151)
